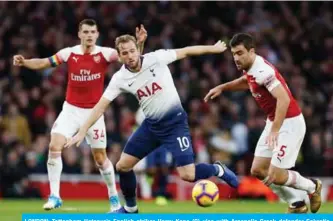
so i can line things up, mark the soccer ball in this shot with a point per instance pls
(205, 193)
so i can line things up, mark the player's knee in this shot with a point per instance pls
(55, 147)
(123, 167)
(57, 143)
(259, 173)
(99, 157)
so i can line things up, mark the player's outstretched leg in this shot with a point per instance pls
(193, 173)
(107, 171)
(54, 168)
(226, 174)
(294, 197)
(293, 179)
(311, 186)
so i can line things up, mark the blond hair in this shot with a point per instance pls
(124, 39)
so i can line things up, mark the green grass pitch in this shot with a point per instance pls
(11, 210)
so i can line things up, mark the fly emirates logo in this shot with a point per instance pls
(85, 75)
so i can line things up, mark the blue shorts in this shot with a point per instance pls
(158, 158)
(172, 132)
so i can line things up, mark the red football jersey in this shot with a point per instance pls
(85, 73)
(262, 78)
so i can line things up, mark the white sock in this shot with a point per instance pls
(288, 194)
(107, 172)
(297, 181)
(221, 171)
(144, 186)
(54, 168)
(131, 209)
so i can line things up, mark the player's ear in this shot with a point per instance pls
(79, 34)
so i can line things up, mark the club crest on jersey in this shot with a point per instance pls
(148, 90)
(97, 58)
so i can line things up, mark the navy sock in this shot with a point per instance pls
(205, 171)
(128, 187)
(162, 183)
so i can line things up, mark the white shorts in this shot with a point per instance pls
(290, 140)
(72, 118)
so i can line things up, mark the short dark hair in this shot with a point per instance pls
(90, 22)
(242, 38)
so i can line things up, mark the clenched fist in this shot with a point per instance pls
(18, 60)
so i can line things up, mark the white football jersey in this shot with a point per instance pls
(153, 85)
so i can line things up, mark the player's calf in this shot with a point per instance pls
(54, 169)
(128, 181)
(193, 173)
(259, 173)
(187, 173)
(107, 171)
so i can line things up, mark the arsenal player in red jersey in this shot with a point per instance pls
(87, 65)
(280, 142)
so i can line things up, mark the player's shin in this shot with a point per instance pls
(128, 187)
(289, 194)
(107, 172)
(54, 168)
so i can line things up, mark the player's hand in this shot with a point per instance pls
(272, 139)
(18, 60)
(213, 93)
(76, 140)
(141, 34)
(219, 47)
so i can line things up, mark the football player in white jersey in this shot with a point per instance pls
(149, 79)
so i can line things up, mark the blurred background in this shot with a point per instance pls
(297, 37)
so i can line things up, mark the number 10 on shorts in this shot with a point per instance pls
(184, 143)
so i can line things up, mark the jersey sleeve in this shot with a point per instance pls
(110, 54)
(166, 56)
(267, 78)
(113, 90)
(60, 57)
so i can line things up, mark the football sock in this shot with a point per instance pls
(297, 181)
(288, 194)
(128, 187)
(107, 172)
(204, 171)
(54, 168)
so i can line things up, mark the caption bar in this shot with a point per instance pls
(177, 217)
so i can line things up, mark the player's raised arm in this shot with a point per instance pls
(141, 36)
(238, 84)
(42, 63)
(35, 63)
(219, 47)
